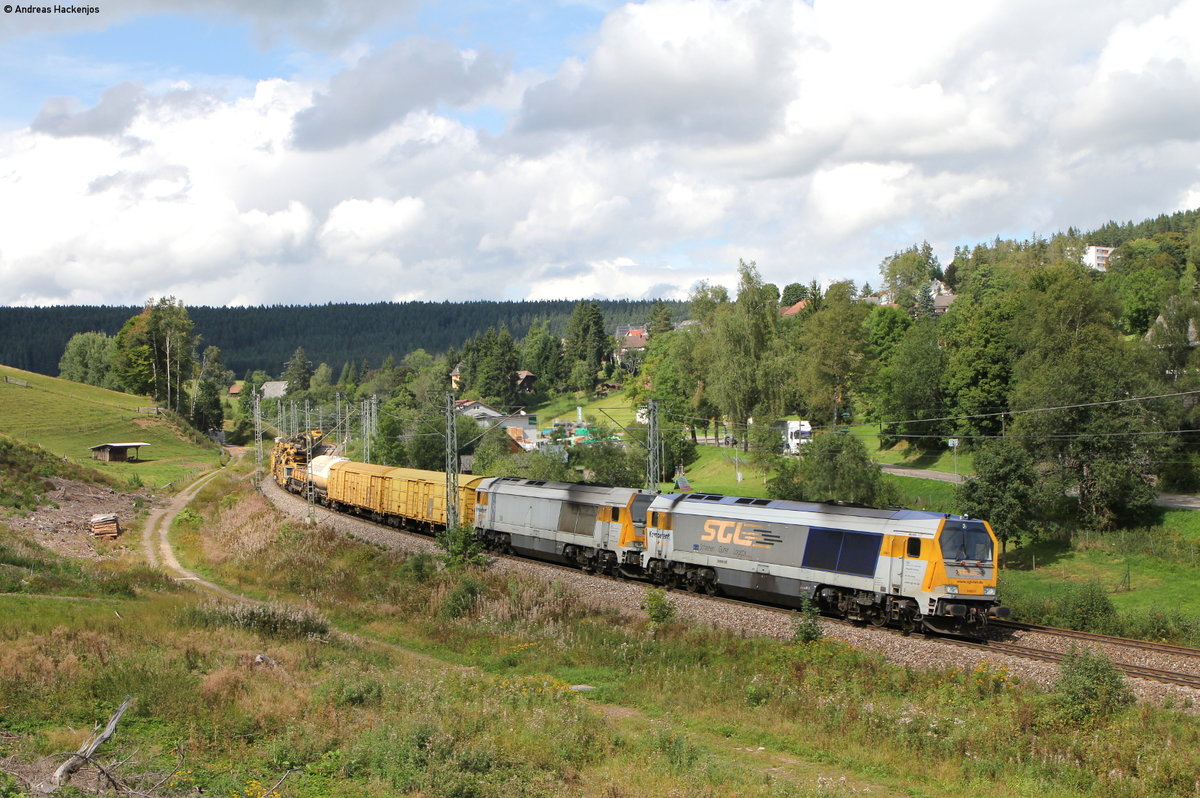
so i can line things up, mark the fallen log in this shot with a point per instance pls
(84, 754)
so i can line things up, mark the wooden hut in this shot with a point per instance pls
(116, 452)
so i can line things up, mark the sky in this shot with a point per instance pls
(314, 151)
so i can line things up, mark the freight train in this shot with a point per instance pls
(912, 569)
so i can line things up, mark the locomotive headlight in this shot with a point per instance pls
(989, 591)
(952, 590)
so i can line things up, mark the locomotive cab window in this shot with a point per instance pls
(914, 547)
(616, 513)
(966, 541)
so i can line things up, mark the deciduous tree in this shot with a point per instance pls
(88, 358)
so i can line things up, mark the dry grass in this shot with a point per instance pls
(244, 530)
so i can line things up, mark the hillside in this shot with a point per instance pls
(66, 418)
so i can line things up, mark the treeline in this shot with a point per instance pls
(265, 337)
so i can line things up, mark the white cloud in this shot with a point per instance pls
(621, 278)
(812, 139)
(358, 228)
(851, 197)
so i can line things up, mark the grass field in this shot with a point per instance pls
(612, 410)
(67, 418)
(944, 459)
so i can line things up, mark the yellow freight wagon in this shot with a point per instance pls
(421, 495)
(362, 485)
(411, 494)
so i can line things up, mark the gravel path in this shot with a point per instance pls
(915, 651)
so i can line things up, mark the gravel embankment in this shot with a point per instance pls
(914, 651)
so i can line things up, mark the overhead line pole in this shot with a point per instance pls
(258, 435)
(451, 464)
(653, 451)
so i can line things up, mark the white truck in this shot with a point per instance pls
(795, 435)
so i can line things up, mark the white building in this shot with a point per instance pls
(1097, 257)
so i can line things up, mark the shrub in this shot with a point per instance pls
(419, 568)
(9, 787)
(681, 755)
(1088, 608)
(806, 624)
(1089, 685)
(460, 547)
(462, 598)
(189, 516)
(658, 606)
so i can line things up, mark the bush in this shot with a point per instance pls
(462, 598)
(419, 568)
(189, 516)
(658, 606)
(9, 787)
(1088, 608)
(1089, 685)
(460, 547)
(806, 624)
(681, 756)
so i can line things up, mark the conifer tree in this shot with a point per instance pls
(298, 372)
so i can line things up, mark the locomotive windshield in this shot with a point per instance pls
(966, 541)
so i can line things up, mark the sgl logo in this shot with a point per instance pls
(737, 533)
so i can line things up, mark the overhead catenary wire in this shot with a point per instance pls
(1045, 409)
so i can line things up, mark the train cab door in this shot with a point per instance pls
(912, 571)
(658, 538)
(608, 519)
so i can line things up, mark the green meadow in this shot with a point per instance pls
(66, 418)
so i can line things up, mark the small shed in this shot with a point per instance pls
(116, 452)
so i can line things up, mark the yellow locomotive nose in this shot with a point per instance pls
(963, 576)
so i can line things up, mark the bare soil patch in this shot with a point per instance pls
(61, 524)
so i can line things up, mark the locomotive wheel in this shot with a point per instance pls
(879, 618)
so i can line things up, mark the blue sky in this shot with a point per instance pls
(346, 150)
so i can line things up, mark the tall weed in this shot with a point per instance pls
(268, 620)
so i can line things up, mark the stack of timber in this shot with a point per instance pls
(105, 525)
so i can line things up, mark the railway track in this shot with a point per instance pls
(1142, 645)
(1178, 678)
